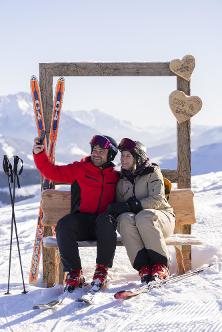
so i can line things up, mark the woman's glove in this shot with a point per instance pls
(115, 209)
(134, 204)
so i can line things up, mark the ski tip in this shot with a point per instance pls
(61, 78)
(124, 295)
(120, 295)
(33, 78)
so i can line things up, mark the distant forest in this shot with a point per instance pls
(28, 177)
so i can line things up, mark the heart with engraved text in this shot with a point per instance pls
(183, 106)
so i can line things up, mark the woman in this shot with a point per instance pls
(143, 214)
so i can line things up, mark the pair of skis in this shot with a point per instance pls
(128, 294)
(38, 111)
(89, 297)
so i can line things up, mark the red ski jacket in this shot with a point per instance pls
(94, 188)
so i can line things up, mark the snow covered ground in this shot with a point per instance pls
(194, 304)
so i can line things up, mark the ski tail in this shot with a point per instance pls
(38, 111)
(34, 270)
(57, 105)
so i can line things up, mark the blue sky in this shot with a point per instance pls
(117, 30)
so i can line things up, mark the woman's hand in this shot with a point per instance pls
(134, 204)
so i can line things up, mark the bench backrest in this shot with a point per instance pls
(56, 204)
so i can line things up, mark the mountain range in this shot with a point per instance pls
(18, 129)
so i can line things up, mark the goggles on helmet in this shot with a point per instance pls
(102, 141)
(126, 144)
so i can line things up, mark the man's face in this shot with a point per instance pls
(99, 156)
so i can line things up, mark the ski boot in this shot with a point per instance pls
(100, 277)
(145, 274)
(159, 272)
(74, 279)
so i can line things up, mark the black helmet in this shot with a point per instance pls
(106, 142)
(136, 148)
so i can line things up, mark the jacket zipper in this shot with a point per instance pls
(134, 185)
(100, 197)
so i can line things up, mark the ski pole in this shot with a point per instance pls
(13, 175)
(16, 174)
(7, 167)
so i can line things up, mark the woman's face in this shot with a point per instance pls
(127, 161)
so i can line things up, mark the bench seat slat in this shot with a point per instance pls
(174, 240)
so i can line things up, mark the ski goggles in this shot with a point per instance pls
(102, 141)
(126, 144)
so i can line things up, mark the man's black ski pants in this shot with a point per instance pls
(84, 227)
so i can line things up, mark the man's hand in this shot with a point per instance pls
(115, 209)
(37, 148)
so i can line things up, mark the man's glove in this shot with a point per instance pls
(115, 209)
(134, 204)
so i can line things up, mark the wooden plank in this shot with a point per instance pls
(56, 204)
(108, 68)
(182, 202)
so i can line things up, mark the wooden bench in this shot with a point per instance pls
(56, 204)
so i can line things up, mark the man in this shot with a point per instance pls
(93, 181)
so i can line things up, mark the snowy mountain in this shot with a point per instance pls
(17, 130)
(193, 304)
(205, 159)
(76, 129)
(112, 126)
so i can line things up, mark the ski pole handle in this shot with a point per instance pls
(7, 167)
(17, 172)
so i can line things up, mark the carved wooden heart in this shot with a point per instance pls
(184, 67)
(183, 106)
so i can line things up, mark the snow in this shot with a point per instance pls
(24, 105)
(6, 148)
(75, 150)
(194, 304)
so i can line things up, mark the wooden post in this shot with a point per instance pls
(184, 165)
(49, 256)
(46, 87)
